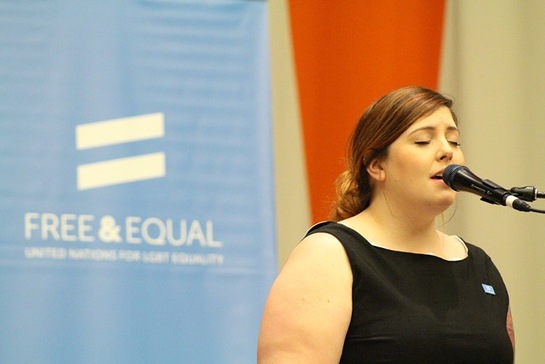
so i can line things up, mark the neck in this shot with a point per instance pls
(409, 230)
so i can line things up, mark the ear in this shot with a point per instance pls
(376, 170)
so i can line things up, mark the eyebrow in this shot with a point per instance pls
(432, 128)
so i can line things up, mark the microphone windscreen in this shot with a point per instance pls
(449, 173)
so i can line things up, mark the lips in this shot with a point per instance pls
(438, 175)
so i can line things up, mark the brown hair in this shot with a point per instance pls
(379, 126)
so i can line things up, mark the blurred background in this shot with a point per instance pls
(238, 113)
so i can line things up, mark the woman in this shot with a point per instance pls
(381, 284)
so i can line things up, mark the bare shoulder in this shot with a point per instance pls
(310, 304)
(319, 248)
(317, 268)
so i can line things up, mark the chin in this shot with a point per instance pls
(446, 201)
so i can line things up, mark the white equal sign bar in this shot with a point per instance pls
(122, 170)
(118, 131)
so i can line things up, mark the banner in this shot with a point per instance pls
(137, 185)
(377, 47)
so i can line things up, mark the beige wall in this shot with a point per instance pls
(494, 68)
(292, 201)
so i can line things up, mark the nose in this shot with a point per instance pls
(446, 151)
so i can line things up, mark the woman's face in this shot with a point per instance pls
(415, 162)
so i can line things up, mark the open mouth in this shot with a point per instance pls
(437, 176)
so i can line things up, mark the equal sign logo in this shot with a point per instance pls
(122, 170)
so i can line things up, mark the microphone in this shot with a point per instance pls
(460, 178)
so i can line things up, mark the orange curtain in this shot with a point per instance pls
(348, 53)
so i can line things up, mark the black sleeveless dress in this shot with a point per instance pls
(415, 308)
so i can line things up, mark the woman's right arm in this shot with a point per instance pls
(309, 306)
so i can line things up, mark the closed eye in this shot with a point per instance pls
(426, 142)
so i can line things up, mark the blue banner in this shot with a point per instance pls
(137, 184)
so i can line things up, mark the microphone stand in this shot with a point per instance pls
(528, 193)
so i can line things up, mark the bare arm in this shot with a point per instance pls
(309, 307)
(510, 327)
